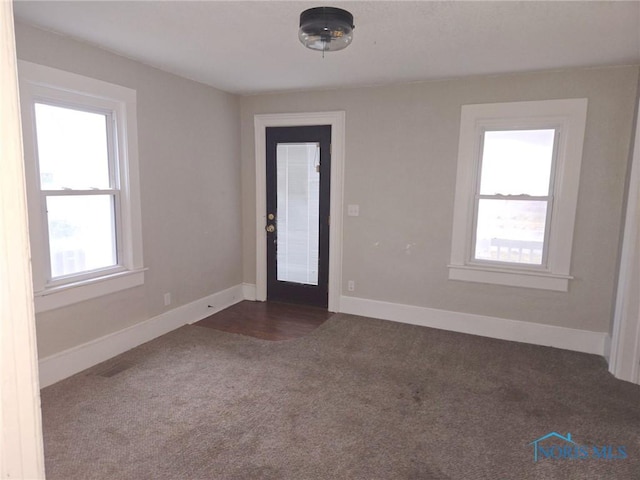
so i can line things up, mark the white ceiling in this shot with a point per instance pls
(252, 46)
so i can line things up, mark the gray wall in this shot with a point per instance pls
(189, 146)
(401, 153)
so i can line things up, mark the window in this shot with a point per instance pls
(513, 196)
(78, 189)
(82, 185)
(516, 192)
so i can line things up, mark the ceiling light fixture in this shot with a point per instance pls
(326, 29)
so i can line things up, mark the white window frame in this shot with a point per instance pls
(568, 118)
(40, 84)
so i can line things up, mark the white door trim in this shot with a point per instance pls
(21, 447)
(625, 341)
(337, 122)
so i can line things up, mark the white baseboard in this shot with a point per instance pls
(69, 362)
(585, 341)
(501, 328)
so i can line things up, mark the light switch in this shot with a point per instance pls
(353, 210)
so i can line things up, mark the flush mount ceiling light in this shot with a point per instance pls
(326, 29)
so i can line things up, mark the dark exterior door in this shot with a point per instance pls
(298, 187)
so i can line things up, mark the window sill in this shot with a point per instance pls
(61, 296)
(512, 278)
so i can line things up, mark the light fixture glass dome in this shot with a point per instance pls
(326, 29)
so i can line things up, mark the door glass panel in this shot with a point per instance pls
(298, 212)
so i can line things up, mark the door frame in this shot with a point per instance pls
(624, 358)
(21, 445)
(336, 119)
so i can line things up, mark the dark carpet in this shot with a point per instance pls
(356, 399)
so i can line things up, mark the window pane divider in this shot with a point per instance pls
(534, 198)
(71, 192)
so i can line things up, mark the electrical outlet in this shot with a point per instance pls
(167, 299)
(351, 285)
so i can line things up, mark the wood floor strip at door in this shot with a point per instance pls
(267, 320)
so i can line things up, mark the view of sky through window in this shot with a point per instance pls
(510, 224)
(72, 148)
(73, 156)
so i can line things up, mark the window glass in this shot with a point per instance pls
(72, 148)
(81, 233)
(517, 162)
(511, 231)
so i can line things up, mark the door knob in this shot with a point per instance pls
(270, 228)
